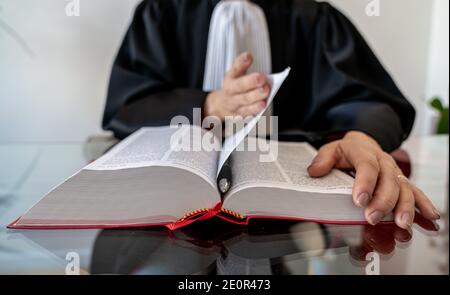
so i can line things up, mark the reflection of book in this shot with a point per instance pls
(142, 181)
(227, 249)
(213, 246)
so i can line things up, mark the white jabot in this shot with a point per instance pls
(236, 26)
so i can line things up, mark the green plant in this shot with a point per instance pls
(442, 127)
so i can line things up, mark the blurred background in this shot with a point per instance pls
(54, 68)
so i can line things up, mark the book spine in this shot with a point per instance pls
(193, 214)
(199, 214)
(202, 211)
(206, 213)
(232, 213)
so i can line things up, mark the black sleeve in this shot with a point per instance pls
(350, 88)
(145, 87)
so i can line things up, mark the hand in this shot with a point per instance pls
(380, 186)
(241, 94)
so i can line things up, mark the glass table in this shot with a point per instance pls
(29, 170)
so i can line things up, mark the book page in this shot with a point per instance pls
(287, 170)
(124, 197)
(231, 142)
(173, 146)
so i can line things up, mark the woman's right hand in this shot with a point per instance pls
(242, 94)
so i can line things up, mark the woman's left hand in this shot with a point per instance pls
(380, 186)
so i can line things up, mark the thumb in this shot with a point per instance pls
(324, 161)
(240, 65)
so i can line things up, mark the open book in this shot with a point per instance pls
(145, 180)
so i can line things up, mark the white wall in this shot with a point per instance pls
(56, 92)
(438, 71)
(411, 39)
(438, 60)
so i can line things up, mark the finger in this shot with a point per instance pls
(386, 193)
(404, 211)
(251, 97)
(247, 83)
(252, 109)
(424, 204)
(324, 161)
(367, 171)
(365, 162)
(240, 66)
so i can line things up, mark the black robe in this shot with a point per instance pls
(336, 83)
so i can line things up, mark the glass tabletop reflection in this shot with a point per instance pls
(28, 171)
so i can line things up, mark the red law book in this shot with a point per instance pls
(144, 182)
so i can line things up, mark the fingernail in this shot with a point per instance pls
(436, 212)
(262, 90)
(363, 200)
(406, 219)
(314, 163)
(260, 80)
(375, 217)
(246, 57)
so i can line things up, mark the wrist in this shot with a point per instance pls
(209, 108)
